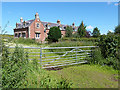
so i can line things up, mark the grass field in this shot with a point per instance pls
(81, 76)
(88, 76)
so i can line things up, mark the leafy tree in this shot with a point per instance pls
(69, 31)
(82, 30)
(88, 34)
(54, 34)
(117, 30)
(96, 32)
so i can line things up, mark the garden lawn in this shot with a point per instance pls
(88, 76)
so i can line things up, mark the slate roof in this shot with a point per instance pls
(28, 23)
(47, 25)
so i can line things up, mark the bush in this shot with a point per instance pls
(107, 53)
(108, 45)
(54, 34)
(97, 58)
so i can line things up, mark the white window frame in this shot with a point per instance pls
(37, 35)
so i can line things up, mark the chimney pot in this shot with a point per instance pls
(58, 21)
(21, 19)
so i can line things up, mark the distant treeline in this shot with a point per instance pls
(6, 35)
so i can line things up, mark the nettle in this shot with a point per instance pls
(13, 67)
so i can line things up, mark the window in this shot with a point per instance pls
(15, 34)
(19, 35)
(37, 25)
(23, 35)
(37, 35)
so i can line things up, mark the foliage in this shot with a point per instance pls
(96, 32)
(54, 34)
(69, 31)
(19, 73)
(75, 35)
(82, 30)
(26, 41)
(88, 34)
(92, 39)
(13, 67)
(117, 30)
(108, 45)
(107, 53)
(97, 58)
(39, 78)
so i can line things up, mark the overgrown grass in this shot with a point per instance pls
(89, 76)
(78, 39)
(71, 43)
(26, 41)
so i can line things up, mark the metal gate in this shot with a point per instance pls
(50, 57)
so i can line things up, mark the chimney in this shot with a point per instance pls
(21, 19)
(36, 15)
(58, 21)
(73, 24)
(16, 24)
(24, 24)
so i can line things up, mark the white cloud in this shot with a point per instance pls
(110, 30)
(116, 4)
(90, 27)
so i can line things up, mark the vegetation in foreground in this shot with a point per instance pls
(88, 76)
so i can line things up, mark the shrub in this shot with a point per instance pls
(54, 34)
(108, 45)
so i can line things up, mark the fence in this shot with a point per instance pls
(59, 56)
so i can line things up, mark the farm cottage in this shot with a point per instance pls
(37, 29)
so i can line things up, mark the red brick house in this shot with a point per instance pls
(36, 29)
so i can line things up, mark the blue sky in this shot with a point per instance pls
(103, 15)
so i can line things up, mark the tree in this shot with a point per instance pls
(88, 34)
(54, 34)
(117, 30)
(69, 31)
(82, 30)
(96, 32)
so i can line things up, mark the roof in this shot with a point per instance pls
(21, 25)
(45, 24)
(62, 26)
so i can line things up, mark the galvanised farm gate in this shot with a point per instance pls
(49, 57)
